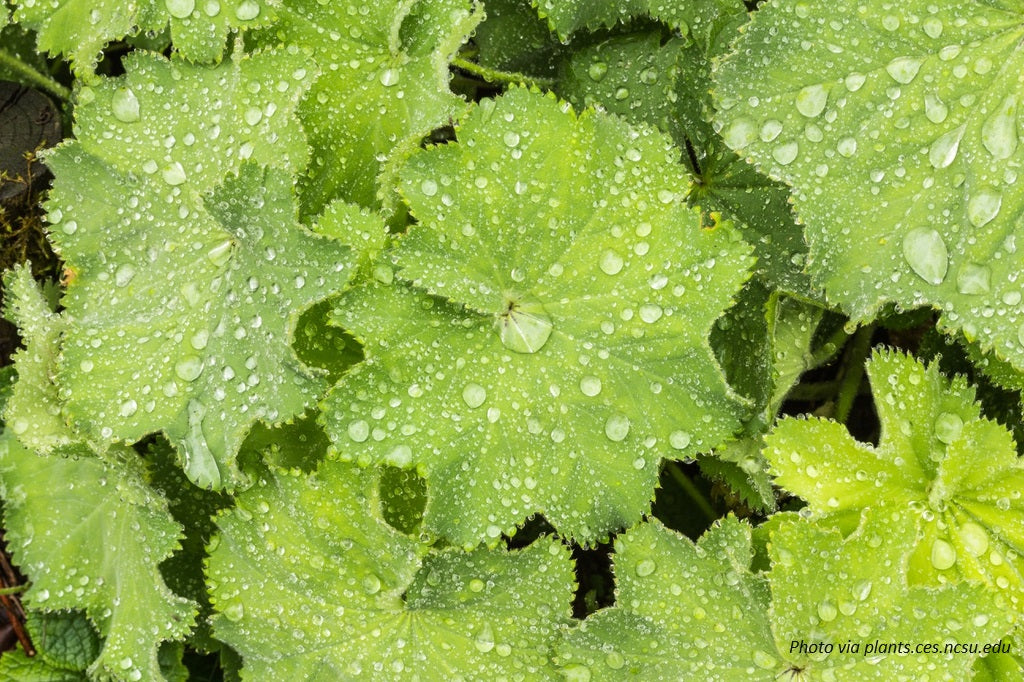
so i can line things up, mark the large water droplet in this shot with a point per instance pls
(974, 279)
(220, 253)
(590, 386)
(484, 641)
(610, 263)
(616, 427)
(926, 253)
(999, 132)
(524, 329)
(943, 554)
(200, 464)
(189, 368)
(983, 207)
(679, 440)
(948, 427)
(124, 274)
(932, 27)
(904, 69)
(943, 150)
(597, 71)
(786, 153)
(974, 538)
(389, 77)
(173, 174)
(811, 100)
(740, 133)
(180, 9)
(125, 105)
(247, 10)
(827, 611)
(358, 430)
(474, 395)
(770, 129)
(935, 110)
(646, 567)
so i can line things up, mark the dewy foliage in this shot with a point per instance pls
(197, 275)
(347, 305)
(898, 129)
(548, 264)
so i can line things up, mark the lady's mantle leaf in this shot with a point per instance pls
(897, 126)
(311, 583)
(689, 611)
(80, 29)
(199, 282)
(384, 83)
(573, 356)
(959, 472)
(32, 413)
(703, 19)
(90, 534)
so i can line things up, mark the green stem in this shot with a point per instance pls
(856, 355)
(495, 76)
(6, 591)
(812, 393)
(691, 491)
(828, 350)
(33, 77)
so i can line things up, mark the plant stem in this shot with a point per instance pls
(5, 591)
(33, 77)
(828, 350)
(493, 75)
(853, 371)
(691, 491)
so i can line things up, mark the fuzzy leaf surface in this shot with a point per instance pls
(131, 218)
(90, 534)
(580, 292)
(80, 29)
(688, 611)
(383, 84)
(958, 471)
(701, 19)
(897, 127)
(384, 608)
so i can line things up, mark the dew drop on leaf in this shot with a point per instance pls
(974, 279)
(926, 254)
(616, 427)
(974, 538)
(474, 395)
(999, 132)
(611, 262)
(943, 554)
(590, 385)
(904, 69)
(983, 207)
(247, 10)
(943, 151)
(948, 427)
(811, 100)
(125, 105)
(180, 9)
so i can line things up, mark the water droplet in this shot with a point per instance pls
(943, 555)
(389, 77)
(510, 138)
(862, 590)
(611, 262)
(220, 253)
(428, 187)
(651, 313)
(211, 8)
(234, 611)
(128, 408)
(173, 174)
(474, 395)
(180, 9)
(740, 133)
(974, 538)
(253, 115)
(400, 456)
(616, 427)
(371, 584)
(614, 660)
(786, 153)
(847, 146)
(854, 82)
(484, 641)
(189, 368)
(124, 274)
(943, 150)
(358, 430)
(811, 100)
(125, 663)
(770, 129)
(926, 254)
(935, 110)
(679, 440)
(125, 105)
(999, 132)
(827, 611)
(932, 27)
(247, 10)
(597, 71)
(904, 69)
(590, 386)
(974, 279)
(983, 207)
(948, 427)
(524, 331)
(646, 568)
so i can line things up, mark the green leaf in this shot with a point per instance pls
(65, 639)
(33, 411)
(895, 125)
(90, 534)
(211, 350)
(383, 84)
(16, 665)
(575, 344)
(958, 472)
(379, 608)
(686, 611)
(703, 19)
(512, 38)
(80, 29)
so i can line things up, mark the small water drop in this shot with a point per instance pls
(611, 262)
(943, 555)
(983, 207)
(484, 641)
(943, 150)
(189, 368)
(125, 105)
(233, 611)
(597, 71)
(999, 132)
(827, 611)
(974, 279)
(770, 129)
(646, 567)
(935, 110)
(358, 430)
(474, 395)
(904, 69)
(785, 154)
(847, 147)
(220, 253)
(590, 386)
(948, 427)
(616, 427)
(740, 133)
(173, 174)
(389, 77)
(124, 274)
(926, 254)
(811, 100)
(253, 115)
(932, 27)
(371, 584)
(679, 440)
(524, 330)
(180, 9)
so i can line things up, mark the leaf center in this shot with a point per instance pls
(524, 327)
